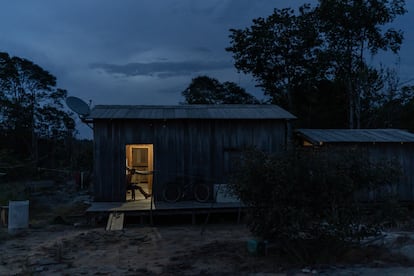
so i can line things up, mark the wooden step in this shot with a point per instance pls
(115, 221)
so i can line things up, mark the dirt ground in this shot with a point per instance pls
(166, 250)
(53, 246)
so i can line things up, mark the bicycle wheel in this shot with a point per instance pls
(171, 193)
(201, 192)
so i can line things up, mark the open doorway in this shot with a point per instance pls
(140, 157)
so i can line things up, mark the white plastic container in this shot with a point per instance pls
(18, 215)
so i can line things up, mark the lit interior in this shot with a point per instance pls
(307, 143)
(141, 158)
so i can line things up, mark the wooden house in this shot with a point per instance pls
(376, 144)
(182, 141)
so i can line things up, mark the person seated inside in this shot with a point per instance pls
(132, 186)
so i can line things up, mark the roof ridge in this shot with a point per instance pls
(230, 111)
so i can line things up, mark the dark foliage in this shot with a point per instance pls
(320, 106)
(206, 90)
(294, 54)
(310, 195)
(36, 131)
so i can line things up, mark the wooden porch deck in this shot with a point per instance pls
(149, 208)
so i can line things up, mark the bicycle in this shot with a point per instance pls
(181, 189)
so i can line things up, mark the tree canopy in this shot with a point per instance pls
(353, 30)
(279, 51)
(31, 107)
(290, 53)
(206, 90)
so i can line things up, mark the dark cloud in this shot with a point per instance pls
(202, 49)
(161, 69)
(173, 42)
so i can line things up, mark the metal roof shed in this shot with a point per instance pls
(378, 144)
(179, 140)
(321, 136)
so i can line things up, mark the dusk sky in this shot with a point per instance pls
(144, 52)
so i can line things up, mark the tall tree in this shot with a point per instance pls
(32, 106)
(294, 51)
(206, 90)
(396, 105)
(354, 29)
(280, 51)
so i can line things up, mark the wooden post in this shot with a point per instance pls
(4, 212)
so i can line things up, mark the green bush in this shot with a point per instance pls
(310, 195)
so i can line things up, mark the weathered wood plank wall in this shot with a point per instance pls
(402, 154)
(181, 148)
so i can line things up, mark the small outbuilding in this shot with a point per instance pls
(376, 144)
(182, 141)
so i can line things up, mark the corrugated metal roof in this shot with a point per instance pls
(235, 111)
(318, 136)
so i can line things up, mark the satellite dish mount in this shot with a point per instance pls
(81, 108)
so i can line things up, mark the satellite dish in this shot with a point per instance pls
(78, 106)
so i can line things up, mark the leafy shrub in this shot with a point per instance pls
(310, 195)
